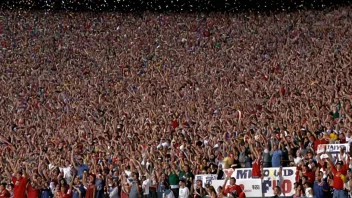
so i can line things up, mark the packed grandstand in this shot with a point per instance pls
(97, 102)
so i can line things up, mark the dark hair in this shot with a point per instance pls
(3, 184)
(65, 183)
(279, 188)
(234, 179)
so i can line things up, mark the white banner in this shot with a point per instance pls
(251, 187)
(244, 179)
(332, 148)
(270, 179)
(206, 179)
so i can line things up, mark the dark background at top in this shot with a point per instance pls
(173, 5)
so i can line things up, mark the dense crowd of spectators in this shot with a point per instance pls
(134, 105)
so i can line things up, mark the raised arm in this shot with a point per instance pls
(71, 182)
(224, 185)
(73, 159)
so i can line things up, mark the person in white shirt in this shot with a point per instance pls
(145, 186)
(113, 189)
(183, 192)
(67, 171)
(298, 159)
(308, 190)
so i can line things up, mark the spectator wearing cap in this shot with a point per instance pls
(320, 187)
(183, 191)
(168, 193)
(233, 186)
(339, 172)
(4, 193)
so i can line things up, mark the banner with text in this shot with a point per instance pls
(266, 186)
(270, 179)
(251, 187)
(332, 148)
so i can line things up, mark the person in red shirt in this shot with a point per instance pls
(340, 172)
(20, 184)
(3, 192)
(306, 171)
(32, 190)
(256, 164)
(64, 192)
(321, 140)
(232, 187)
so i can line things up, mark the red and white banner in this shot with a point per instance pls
(266, 185)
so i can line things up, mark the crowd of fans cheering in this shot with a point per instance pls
(134, 105)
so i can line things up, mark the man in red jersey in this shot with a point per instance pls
(230, 188)
(340, 172)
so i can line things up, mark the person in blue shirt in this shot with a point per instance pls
(79, 166)
(78, 190)
(321, 187)
(276, 154)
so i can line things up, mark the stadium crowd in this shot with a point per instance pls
(134, 105)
